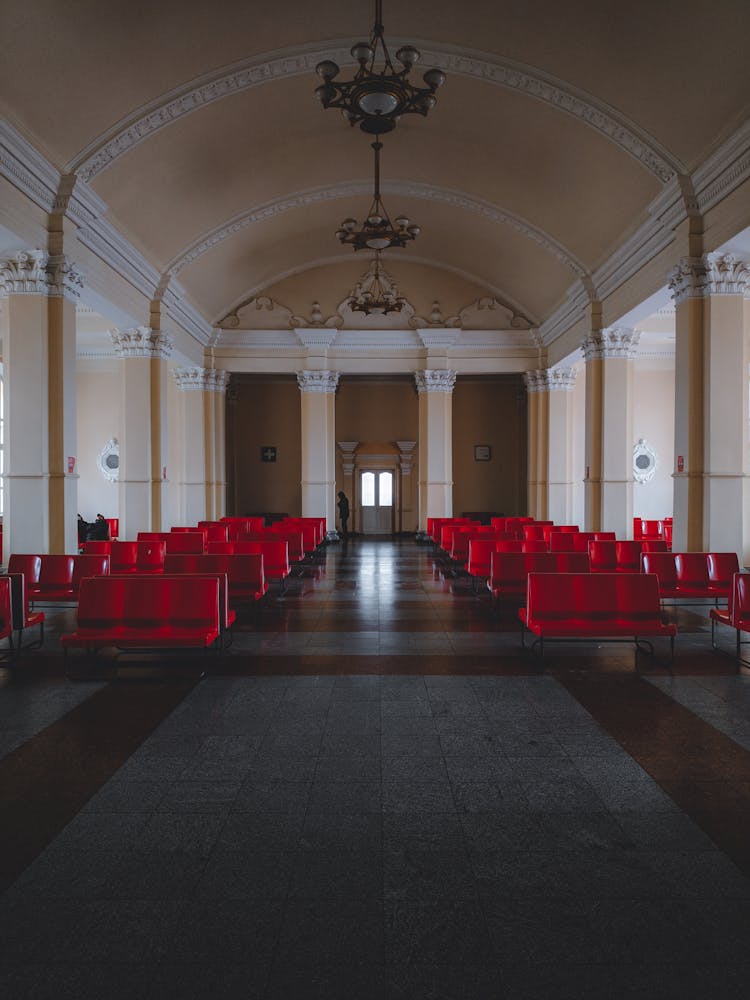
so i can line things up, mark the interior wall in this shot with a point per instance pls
(98, 417)
(653, 420)
(264, 411)
(489, 411)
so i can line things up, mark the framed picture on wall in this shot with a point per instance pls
(482, 453)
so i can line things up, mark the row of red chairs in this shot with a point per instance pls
(736, 615)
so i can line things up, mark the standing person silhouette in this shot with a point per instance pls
(343, 505)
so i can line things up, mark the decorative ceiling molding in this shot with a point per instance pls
(257, 291)
(361, 188)
(296, 61)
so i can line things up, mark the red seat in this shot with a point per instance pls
(651, 531)
(562, 541)
(221, 548)
(533, 533)
(509, 545)
(123, 557)
(22, 616)
(572, 562)
(56, 579)
(605, 536)
(480, 557)
(275, 557)
(565, 528)
(692, 574)
(581, 540)
(245, 571)
(654, 546)
(737, 614)
(30, 566)
(6, 613)
(294, 539)
(509, 570)
(216, 531)
(114, 527)
(88, 565)
(628, 557)
(150, 557)
(661, 565)
(721, 569)
(603, 556)
(97, 548)
(534, 545)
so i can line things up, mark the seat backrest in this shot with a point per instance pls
(654, 545)
(512, 568)
(628, 556)
(216, 531)
(572, 562)
(114, 526)
(89, 565)
(29, 565)
(534, 545)
(637, 528)
(183, 562)
(661, 565)
(741, 600)
(562, 541)
(602, 556)
(721, 568)
(223, 590)
(691, 569)
(101, 600)
(651, 530)
(275, 555)
(605, 536)
(581, 540)
(509, 545)
(56, 571)
(222, 548)
(150, 555)
(147, 602)
(97, 548)
(499, 523)
(294, 539)
(533, 533)
(480, 551)
(244, 569)
(6, 611)
(123, 556)
(186, 541)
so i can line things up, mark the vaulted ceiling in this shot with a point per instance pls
(197, 125)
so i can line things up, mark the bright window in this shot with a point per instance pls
(368, 489)
(385, 488)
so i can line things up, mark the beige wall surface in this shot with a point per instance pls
(377, 410)
(98, 417)
(653, 420)
(489, 411)
(263, 411)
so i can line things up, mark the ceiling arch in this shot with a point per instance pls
(500, 294)
(430, 192)
(299, 60)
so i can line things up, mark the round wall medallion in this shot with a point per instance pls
(108, 460)
(644, 461)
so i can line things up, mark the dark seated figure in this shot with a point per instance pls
(99, 530)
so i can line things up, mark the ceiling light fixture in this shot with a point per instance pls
(377, 231)
(375, 292)
(376, 99)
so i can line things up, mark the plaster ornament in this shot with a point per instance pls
(203, 379)
(141, 342)
(318, 381)
(645, 461)
(25, 273)
(611, 343)
(108, 461)
(435, 380)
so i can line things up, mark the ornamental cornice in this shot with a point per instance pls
(612, 342)
(435, 380)
(296, 61)
(550, 379)
(318, 381)
(25, 273)
(141, 342)
(201, 379)
(711, 274)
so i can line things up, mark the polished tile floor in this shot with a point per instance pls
(377, 794)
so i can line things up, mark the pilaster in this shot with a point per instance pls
(203, 478)
(143, 354)
(318, 413)
(38, 333)
(408, 513)
(711, 392)
(435, 388)
(608, 497)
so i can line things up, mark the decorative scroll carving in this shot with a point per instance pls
(489, 314)
(611, 343)
(456, 62)
(318, 381)
(65, 277)
(550, 379)
(25, 273)
(141, 342)
(711, 274)
(435, 380)
(203, 379)
(259, 312)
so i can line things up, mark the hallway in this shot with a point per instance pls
(376, 795)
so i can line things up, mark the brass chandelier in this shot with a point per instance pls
(377, 232)
(376, 99)
(375, 293)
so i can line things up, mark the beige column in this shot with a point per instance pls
(537, 411)
(435, 388)
(143, 353)
(712, 352)
(408, 514)
(318, 390)
(608, 498)
(202, 480)
(560, 383)
(39, 345)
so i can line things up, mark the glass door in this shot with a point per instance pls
(376, 502)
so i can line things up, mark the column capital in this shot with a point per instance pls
(25, 273)
(35, 272)
(711, 274)
(318, 381)
(435, 380)
(141, 342)
(550, 379)
(612, 342)
(201, 379)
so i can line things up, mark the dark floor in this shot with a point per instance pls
(377, 794)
